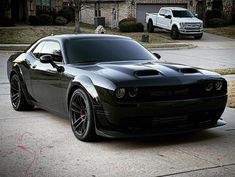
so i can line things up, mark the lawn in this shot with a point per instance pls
(231, 94)
(29, 34)
(228, 31)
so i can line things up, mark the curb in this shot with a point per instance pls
(191, 46)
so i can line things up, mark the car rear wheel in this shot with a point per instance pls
(81, 116)
(150, 27)
(18, 100)
(174, 33)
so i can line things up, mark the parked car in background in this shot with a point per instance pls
(177, 20)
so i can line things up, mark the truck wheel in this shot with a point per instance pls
(174, 33)
(198, 37)
(150, 27)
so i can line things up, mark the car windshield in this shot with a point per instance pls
(105, 50)
(182, 13)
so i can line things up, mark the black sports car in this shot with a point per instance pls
(112, 86)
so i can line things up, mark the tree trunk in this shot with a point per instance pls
(77, 10)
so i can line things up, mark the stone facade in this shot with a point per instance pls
(112, 11)
(228, 10)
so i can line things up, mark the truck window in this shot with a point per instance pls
(167, 12)
(162, 12)
(182, 13)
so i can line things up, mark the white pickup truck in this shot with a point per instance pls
(178, 20)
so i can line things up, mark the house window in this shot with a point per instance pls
(43, 4)
(97, 9)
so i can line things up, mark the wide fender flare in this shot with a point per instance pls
(87, 85)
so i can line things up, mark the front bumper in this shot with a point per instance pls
(192, 32)
(157, 118)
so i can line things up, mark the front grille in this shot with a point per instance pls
(180, 92)
(169, 121)
(192, 26)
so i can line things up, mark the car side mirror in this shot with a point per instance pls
(157, 56)
(48, 59)
(195, 15)
(168, 16)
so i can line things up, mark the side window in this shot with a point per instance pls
(36, 51)
(162, 12)
(52, 48)
(167, 13)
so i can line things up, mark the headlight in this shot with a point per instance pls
(182, 25)
(133, 92)
(201, 25)
(209, 87)
(120, 93)
(218, 85)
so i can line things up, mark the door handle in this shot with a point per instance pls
(34, 66)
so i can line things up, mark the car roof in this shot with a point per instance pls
(83, 36)
(174, 8)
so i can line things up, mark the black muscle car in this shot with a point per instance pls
(111, 86)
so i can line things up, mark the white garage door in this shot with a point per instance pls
(152, 8)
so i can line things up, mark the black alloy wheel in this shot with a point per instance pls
(81, 116)
(174, 33)
(150, 27)
(18, 100)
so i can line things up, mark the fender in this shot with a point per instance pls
(88, 86)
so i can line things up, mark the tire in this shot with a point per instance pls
(18, 101)
(150, 27)
(174, 33)
(81, 116)
(198, 37)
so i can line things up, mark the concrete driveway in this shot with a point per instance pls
(41, 144)
(211, 52)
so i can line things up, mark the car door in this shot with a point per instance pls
(167, 20)
(160, 18)
(46, 80)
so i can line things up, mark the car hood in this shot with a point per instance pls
(189, 20)
(145, 71)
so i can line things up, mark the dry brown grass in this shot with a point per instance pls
(231, 94)
(225, 71)
(228, 31)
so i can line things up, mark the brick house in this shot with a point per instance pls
(116, 10)
(113, 10)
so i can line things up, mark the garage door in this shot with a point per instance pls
(141, 9)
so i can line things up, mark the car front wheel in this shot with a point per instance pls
(81, 116)
(198, 37)
(174, 33)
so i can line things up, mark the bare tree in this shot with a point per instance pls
(77, 9)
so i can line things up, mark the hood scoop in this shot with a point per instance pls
(146, 73)
(188, 70)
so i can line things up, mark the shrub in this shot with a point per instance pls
(129, 19)
(210, 14)
(34, 20)
(140, 27)
(131, 26)
(6, 22)
(60, 21)
(67, 13)
(216, 22)
(46, 19)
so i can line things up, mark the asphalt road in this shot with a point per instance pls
(41, 144)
